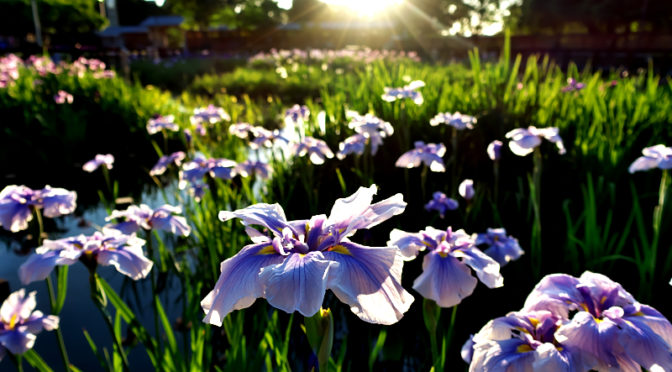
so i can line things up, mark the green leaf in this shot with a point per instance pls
(36, 361)
(62, 282)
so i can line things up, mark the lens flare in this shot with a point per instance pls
(365, 8)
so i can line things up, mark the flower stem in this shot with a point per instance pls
(52, 297)
(97, 297)
(535, 190)
(431, 313)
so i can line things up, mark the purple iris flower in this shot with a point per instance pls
(456, 120)
(501, 248)
(160, 123)
(440, 202)
(657, 156)
(292, 263)
(261, 169)
(466, 189)
(63, 97)
(354, 144)
(196, 169)
(110, 247)
(409, 91)
(162, 218)
(446, 277)
(297, 114)
(165, 161)
(241, 130)
(523, 141)
(316, 149)
(607, 325)
(259, 136)
(521, 341)
(18, 202)
(495, 150)
(430, 154)
(573, 85)
(19, 324)
(101, 159)
(371, 127)
(209, 115)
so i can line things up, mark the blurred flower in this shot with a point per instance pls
(353, 144)
(446, 277)
(316, 149)
(371, 127)
(456, 120)
(430, 154)
(466, 189)
(495, 150)
(18, 202)
(110, 247)
(573, 85)
(407, 91)
(258, 136)
(162, 218)
(501, 248)
(209, 115)
(297, 114)
(521, 341)
(106, 160)
(292, 263)
(195, 170)
(62, 97)
(249, 167)
(657, 156)
(19, 324)
(165, 161)
(441, 203)
(607, 325)
(523, 141)
(160, 123)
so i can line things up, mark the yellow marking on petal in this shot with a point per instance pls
(13, 320)
(443, 254)
(339, 249)
(585, 308)
(603, 299)
(598, 320)
(639, 313)
(525, 348)
(559, 348)
(534, 322)
(266, 250)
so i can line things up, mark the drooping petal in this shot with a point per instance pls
(598, 339)
(270, 216)
(513, 355)
(485, 267)
(37, 322)
(57, 202)
(238, 285)
(409, 244)
(643, 163)
(39, 266)
(17, 342)
(14, 216)
(370, 281)
(445, 280)
(128, 260)
(298, 283)
(644, 346)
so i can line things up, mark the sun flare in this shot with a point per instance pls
(365, 7)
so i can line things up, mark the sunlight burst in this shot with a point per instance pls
(365, 8)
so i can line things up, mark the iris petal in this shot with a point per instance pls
(445, 280)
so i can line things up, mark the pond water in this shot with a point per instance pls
(79, 312)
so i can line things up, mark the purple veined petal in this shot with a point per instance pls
(445, 280)
(18, 305)
(467, 351)
(346, 209)
(40, 265)
(502, 356)
(651, 318)
(409, 244)
(126, 227)
(238, 285)
(14, 216)
(642, 344)
(57, 202)
(370, 281)
(127, 259)
(598, 340)
(298, 283)
(643, 163)
(270, 216)
(485, 267)
(16, 341)
(556, 293)
(549, 358)
(376, 214)
(163, 219)
(37, 322)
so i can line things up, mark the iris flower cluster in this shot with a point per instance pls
(258, 136)
(575, 324)
(161, 123)
(18, 202)
(456, 120)
(523, 141)
(409, 91)
(316, 149)
(136, 217)
(19, 324)
(430, 154)
(109, 247)
(292, 263)
(368, 128)
(452, 255)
